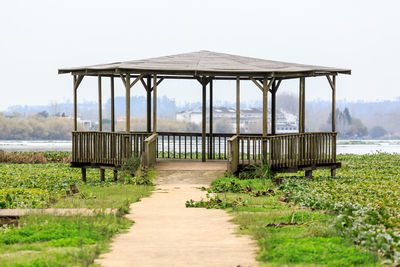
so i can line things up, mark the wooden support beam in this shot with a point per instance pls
(100, 104)
(203, 122)
(265, 107)
(155, 103)
(76, 82)
(308, 174)
(112, 104)
(333, 103)
(127, 103)
(136, 80)
(273, 108)
(266, 88)
(278, 84)
(302, 105)
(261, 85)
(148, 113)
(158, 82)
(330, 81)
(115, 175)
(210, 143)
(258, 84)
(238, 105)
(102, 175)
(83, 175)
(75, 106)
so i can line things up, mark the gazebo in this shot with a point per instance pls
(282, 152)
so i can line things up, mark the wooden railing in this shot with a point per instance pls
(279, 151)
(188, 145)
(150, 152)
(106, 147)
(286, 150)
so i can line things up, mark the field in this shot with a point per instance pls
(366, 197)
(45, 240)
(352, 219)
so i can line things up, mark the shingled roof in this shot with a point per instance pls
(207, 63)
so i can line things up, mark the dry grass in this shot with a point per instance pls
(7, 157)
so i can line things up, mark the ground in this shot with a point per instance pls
(166, 233)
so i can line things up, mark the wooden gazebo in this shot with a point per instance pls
(283, 152)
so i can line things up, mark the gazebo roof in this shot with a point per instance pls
(207, 63)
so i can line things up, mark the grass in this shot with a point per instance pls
(42, 183)
(365, 198)
(289, 235)
(108, 196)
(45, 240)
(301, 223)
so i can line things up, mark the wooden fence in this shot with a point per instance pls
(279, 151)
(285, 150)
(105, 147)
(188, 145)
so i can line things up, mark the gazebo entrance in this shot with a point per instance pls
(282, 152)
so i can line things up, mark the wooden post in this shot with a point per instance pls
(333, 171)
(155, 103)
(102, 175)
(302, 105)
(273, 109)
(203, 122)
(333, 103)
(75, 105)
(265, 107)
(265, 120)
(128, 103)
(237, 105)
(100, 120)
(210, 142)
(148, 116)
(100, 104)
(115, 175)
(112, 105)
(84, 175)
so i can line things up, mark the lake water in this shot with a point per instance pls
(343, 146)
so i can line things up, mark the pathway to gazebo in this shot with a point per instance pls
(166, 233)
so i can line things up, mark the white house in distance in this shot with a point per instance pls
(285, 122)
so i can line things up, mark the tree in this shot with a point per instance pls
(377, 132)
(223, 126)
(43, 114)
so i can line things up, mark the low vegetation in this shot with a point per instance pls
(47, 240)
(348, 220)
(35, 157)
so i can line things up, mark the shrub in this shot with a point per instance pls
(131, 165)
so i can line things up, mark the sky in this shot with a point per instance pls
(39, 37)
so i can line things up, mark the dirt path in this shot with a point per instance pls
(166, 233)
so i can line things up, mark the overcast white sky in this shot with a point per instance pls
(38, 37)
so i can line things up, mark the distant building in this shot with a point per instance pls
(87, 123)
(285, 122)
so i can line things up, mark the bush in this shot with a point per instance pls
(262, 172)
(131, 165)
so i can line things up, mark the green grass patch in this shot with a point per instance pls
(35, 185)
(45, 240)
(287, 235)
(107, 196)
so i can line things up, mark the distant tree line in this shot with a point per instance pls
(34, 127)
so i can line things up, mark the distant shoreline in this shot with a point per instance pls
(343, 146)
